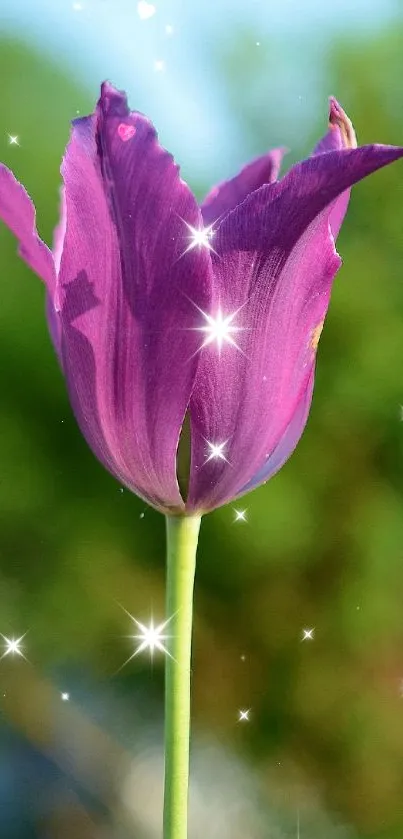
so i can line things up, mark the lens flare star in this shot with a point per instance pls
(65, 697)
(243, 716)
(13, 140)
(308, 634)
(240, 515)
(219, 330)
(216, 451)
(200, 237)
(150, 637)
(13, 646)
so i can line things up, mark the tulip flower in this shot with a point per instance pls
(187, 334)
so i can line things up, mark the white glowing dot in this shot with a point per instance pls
(308, 634)
(169, 29)
(145, 10)
(216, 451)
(159, 66)
(240, 515)
(219, 329)
(12, 646)
(150, 637)
(243, 657)
(13, 140)
(78, 7)
(258, 43)
(200, 237)
(65, 697)
(243, 716)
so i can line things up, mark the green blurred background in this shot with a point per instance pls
(323, 542)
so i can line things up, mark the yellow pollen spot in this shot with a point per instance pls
(315, 335)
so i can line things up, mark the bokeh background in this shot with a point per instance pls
(322, 754)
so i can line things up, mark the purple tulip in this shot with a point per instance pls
(161, 309)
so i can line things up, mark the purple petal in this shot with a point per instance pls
(275, 258)
(340, 135)
(18, 213)
(288, 442)
(129, 293)
(53, 301)
(228, 194)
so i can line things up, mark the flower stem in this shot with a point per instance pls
(182, 537)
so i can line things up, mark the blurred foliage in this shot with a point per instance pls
(323, 546)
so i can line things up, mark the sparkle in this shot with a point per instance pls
(13, 140)
(216, 451)
(78, 7)
(169, 30)
(159, 66)
(12, 646)
(65, 697)
(240, 515)
(308, 634)
(200, 237)
(219, 329)
(243, 716)
(150, 637)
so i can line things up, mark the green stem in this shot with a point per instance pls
(182, 536)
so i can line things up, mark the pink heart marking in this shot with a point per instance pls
(126, 132)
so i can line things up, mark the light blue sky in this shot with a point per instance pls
(188, 100)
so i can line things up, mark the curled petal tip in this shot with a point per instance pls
(112, 102)
(339, 118)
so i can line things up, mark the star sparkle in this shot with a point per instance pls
(150, 637)
(12, 646)
(219, 329)
(216, 451)
(13, 140)
(240, 515)
(65, 697)
(200, 237)
(308, 634)
(243, 715)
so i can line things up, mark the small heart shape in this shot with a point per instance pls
(126, 132)
(145, 10)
